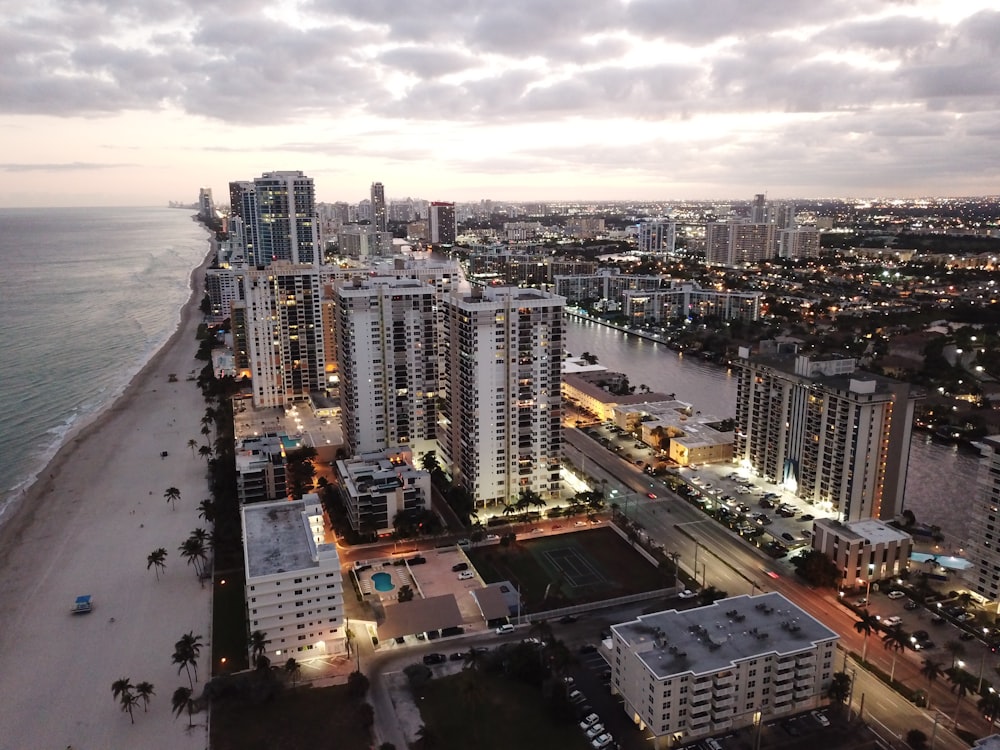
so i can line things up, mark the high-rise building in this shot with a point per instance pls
(737, 242)
(798, 243)
(441, 219)
(379, 215)
(735, 663)
(284, 333)
(833, 435)
(499, 426)
(206, 206)
(294, 588)
(758, 209)
(657, 237)
(387, 363)
(984, 541)
(243, 219)
(363, 241)
(379, 486)
(286, 224)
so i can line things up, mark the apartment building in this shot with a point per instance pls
(715, 669)
(294, 589)
(984, 542)
(378, 486)
(863, 551)
(499, 425)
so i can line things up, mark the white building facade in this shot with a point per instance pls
(378, 486)
(294, 588)
(500, 425)
(984, 541)
(863, 551)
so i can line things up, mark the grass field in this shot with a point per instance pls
(300, 718)
(496, 714)
(567, 569)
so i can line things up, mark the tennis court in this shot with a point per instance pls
(568, 563)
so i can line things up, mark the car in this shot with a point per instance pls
(588, 648)
(687, 594)
(568, 619)
(821, 718)
(466, 575)
(807, 517)
(589, 721)
(892, 622)
(862, 602)
(897, 594)
(967, 636)
(457, 567)
(601, 741)
(922, 645)
(505, 629)
(911, 605)
(788, 537)
(743, 508)
(786, 512)
(765, 503)
(594, 731)
(435, 659)
(458, 656)
(771, 574)
(921, 635)
(492, 538)
(576, 696)
(463, 543)
(712, 744)
(938, 619)
(651, 495)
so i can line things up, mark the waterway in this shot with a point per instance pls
(940, 482)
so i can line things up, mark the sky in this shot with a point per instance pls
(136, 102)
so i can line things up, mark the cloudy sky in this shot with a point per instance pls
(136, 102)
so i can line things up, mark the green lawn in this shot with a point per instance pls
(303, 717)
(624, 570)
(499, 713)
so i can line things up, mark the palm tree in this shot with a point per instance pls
(292, 669)
(192, 444)
(181, 701)
(157, 561)
(186, 652)
(962, 683)
(956, 650)
(894, 640)
(205, 452)
(866, 624)
(122, 690)
(931, 670)
(258, 644)
(193, 550)
(205, 430)
(144, 690)
(172, 494)
(509, 509)
(121, 686)
(206, 510)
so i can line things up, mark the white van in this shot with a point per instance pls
(505, 628)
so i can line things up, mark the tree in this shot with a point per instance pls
(357, 684)
(186, 653)
(866, 623)
(181, 701)
(144, 690)
(192, 444)
(128, 700)
(292, 669)
(405, 593)
(894, 640)
(206, 510)
(962, 683)
(366, 715)
(429, 462)
(956, 650)
(840, 687)
(172, 494)
(816, 568)
(205, 452)
(916, 739)
(299, 470)
(157, 560)
(258, 644)
(193, 550)
(931, 669)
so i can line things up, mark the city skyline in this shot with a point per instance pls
(460, 100)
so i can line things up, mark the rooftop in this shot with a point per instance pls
(870, 530)
(277, 538)
(708, 639)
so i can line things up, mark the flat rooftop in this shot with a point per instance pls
(709, 639)
(277, 538)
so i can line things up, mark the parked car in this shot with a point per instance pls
(466, 575)
(589, 721)
(568, 619)
(602, 741)
(458, 656)
(687, 594)
(911, 605)
(505, 628)
(967, 636)
(821, 718)
(594, 731)
(576, 696)
(435, 659)
(807, 517)
(459, 567)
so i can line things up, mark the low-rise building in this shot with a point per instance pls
(863, 551)
(294, 589)
(260, 469)
(690, 674)
(379, 485)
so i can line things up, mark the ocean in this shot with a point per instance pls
(87, 296)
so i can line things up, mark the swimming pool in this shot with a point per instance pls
(382, 581)
(945, 561)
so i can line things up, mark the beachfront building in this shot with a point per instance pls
(377, 486)
(499, 425)
(387, 363)
(983, 553)
(294, 589)
(830, 433)
(284, 333)
(686, 300)
(689, 674)
(286, 223)
(260, 469)
(863, 551)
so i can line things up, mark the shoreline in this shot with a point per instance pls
(86, 526)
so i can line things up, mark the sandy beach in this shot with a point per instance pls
(86, 527)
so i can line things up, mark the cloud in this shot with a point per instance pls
(75, 166)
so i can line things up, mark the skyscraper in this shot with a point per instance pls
(833, 435)
(443, 230)
(984, 541)
(379, 216)
(734, 243)
(758, 209)
(657, 237)
(387, 362)
(499, 427)
(286, 224)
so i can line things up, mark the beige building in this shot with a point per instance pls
(673, 427)
(732, 664)
(864, 551)
(379, 485)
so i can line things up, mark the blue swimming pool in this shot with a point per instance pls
(945, 561)
(382, 581)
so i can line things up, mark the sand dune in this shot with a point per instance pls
(86, 527)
